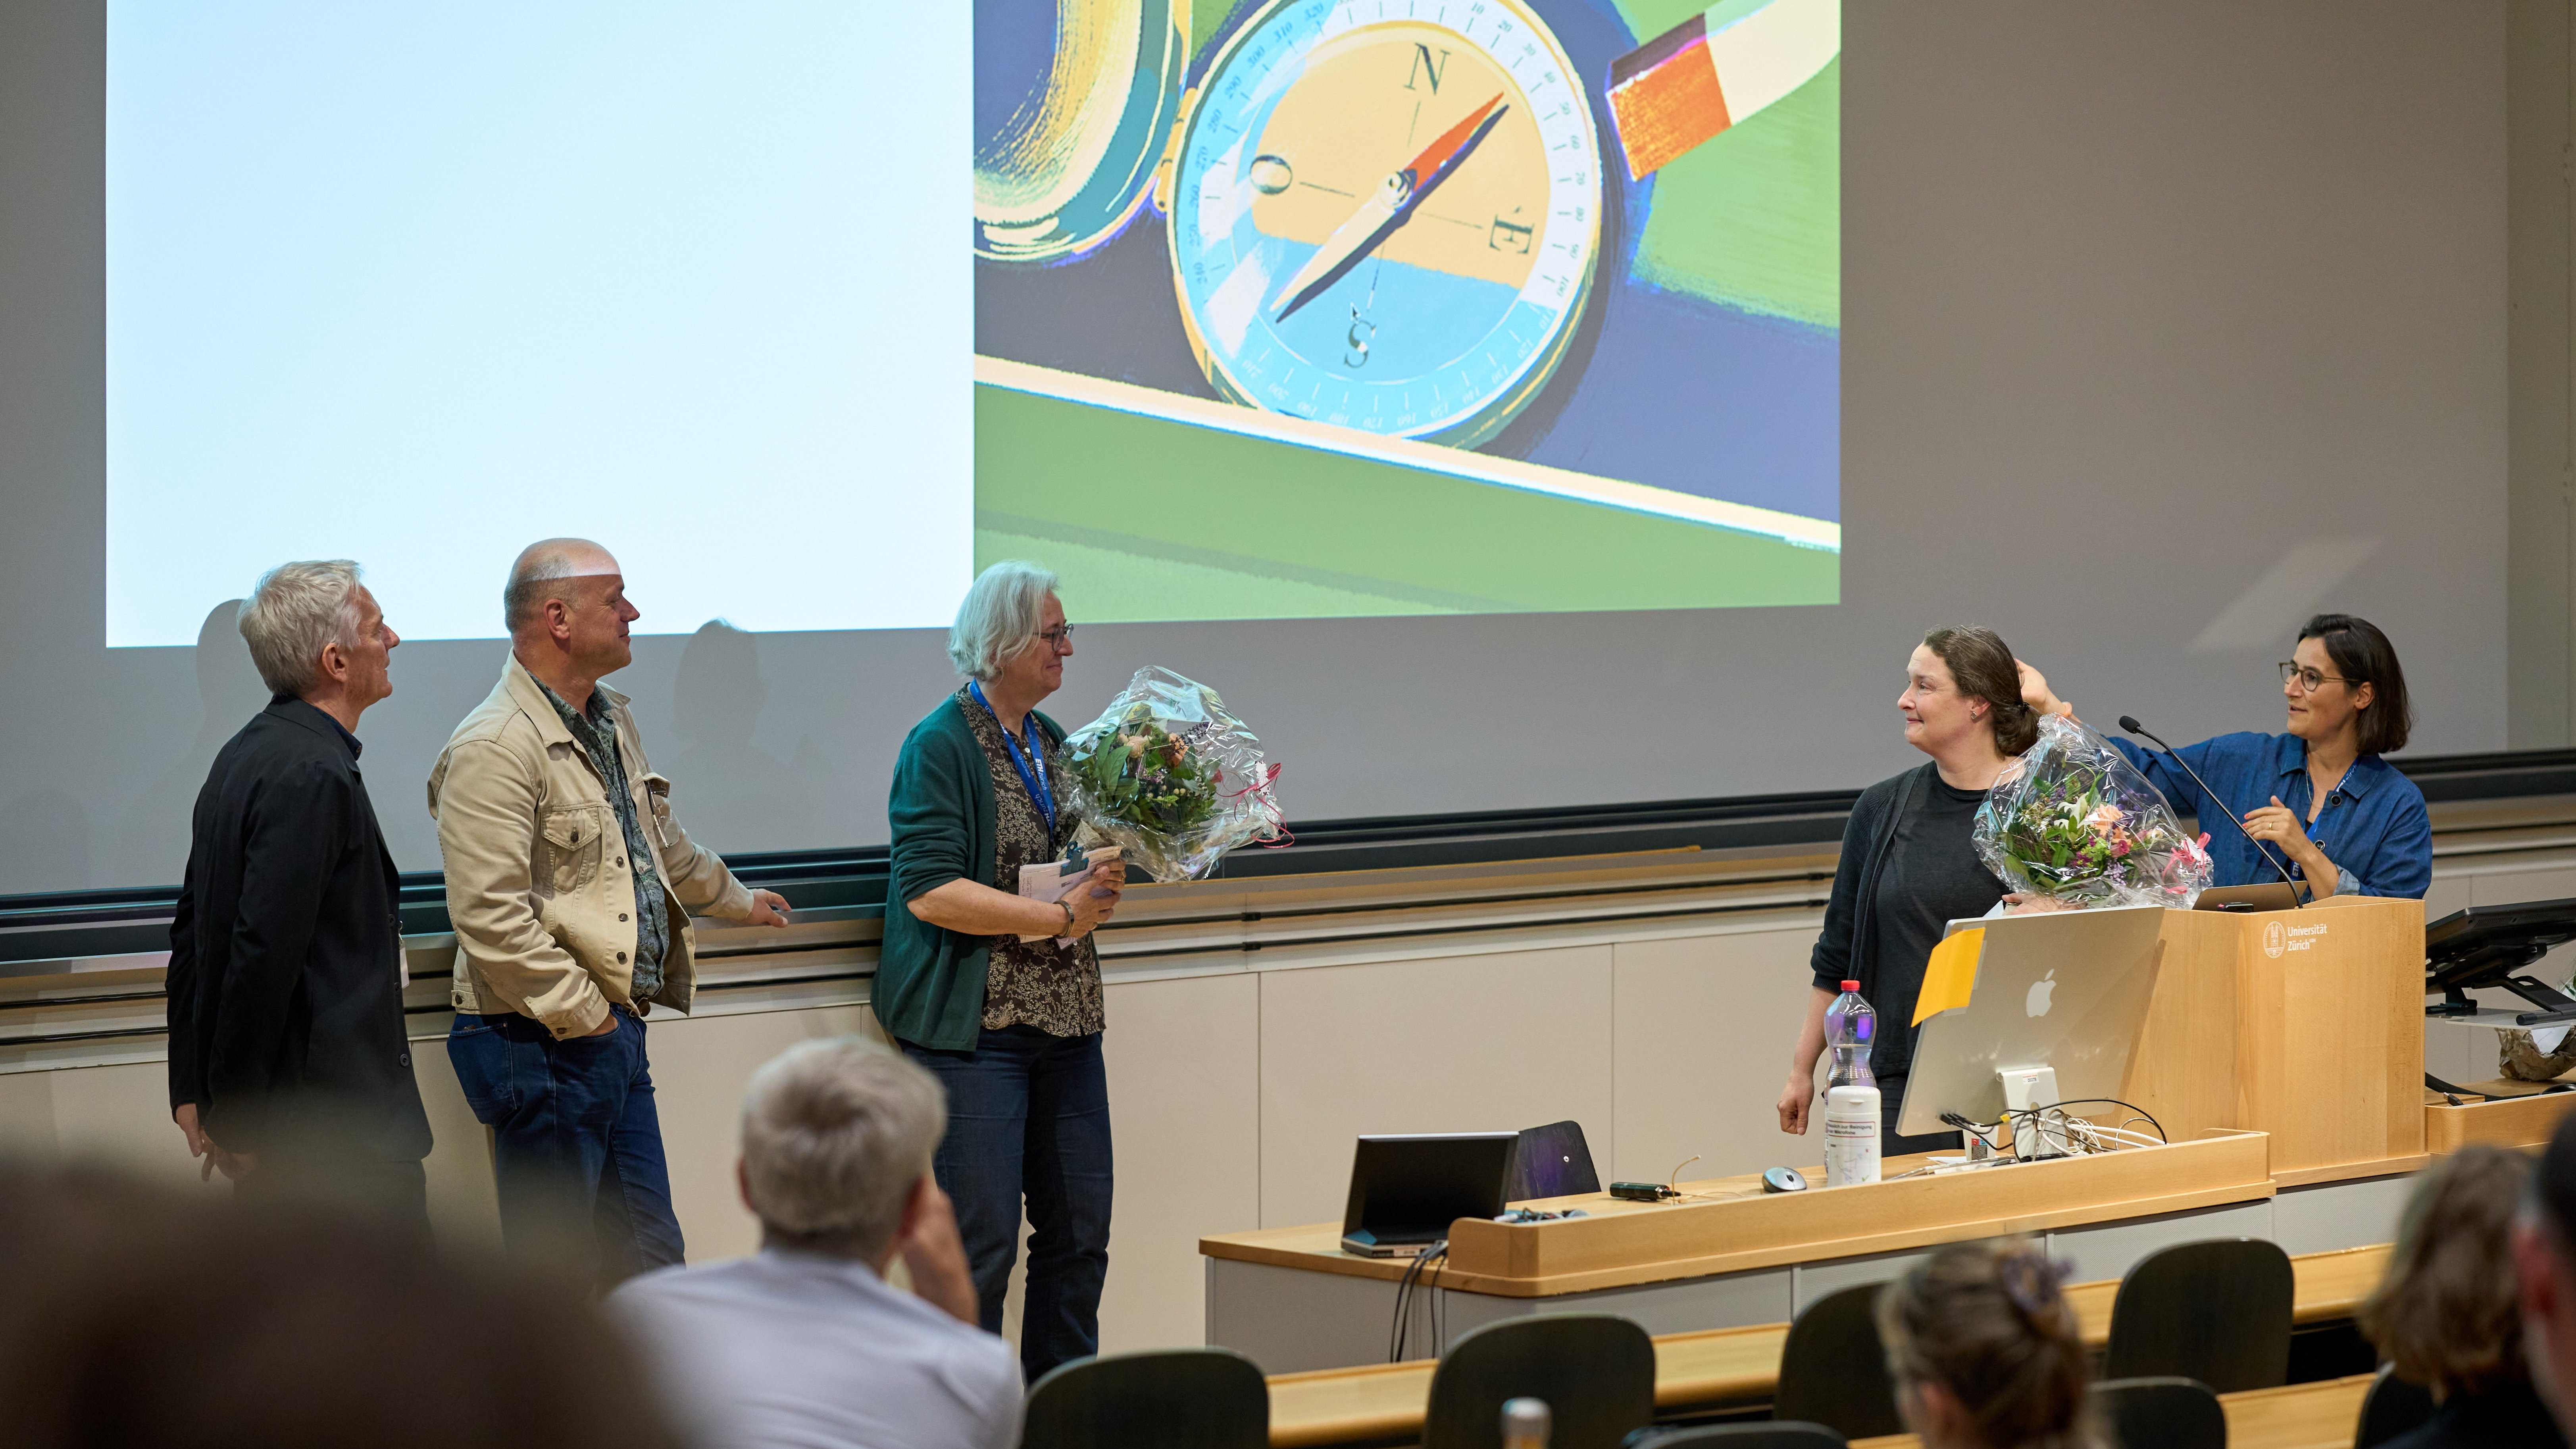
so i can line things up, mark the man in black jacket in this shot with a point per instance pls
(289, 1068)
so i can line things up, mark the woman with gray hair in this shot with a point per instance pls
(996, 993)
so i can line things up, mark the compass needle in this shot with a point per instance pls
(1388, 207)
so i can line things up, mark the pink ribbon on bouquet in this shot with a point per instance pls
(1275, 833)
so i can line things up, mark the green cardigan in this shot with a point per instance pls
(930, 980)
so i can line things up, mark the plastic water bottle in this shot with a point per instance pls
(1525, 1423)
(1851, 1092)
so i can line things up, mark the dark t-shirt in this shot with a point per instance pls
(1932, 877)
(2512, 1415)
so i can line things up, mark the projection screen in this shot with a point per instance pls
(2166, 329)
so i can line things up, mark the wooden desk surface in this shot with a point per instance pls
(1734, 1365)
(1727, 1225)
(2321, 1415)
(2506, 1114)
(1318, 1246)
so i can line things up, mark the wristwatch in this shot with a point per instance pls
(1068, 914)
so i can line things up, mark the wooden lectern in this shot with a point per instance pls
(2306, 1024)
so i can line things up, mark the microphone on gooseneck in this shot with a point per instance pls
(2129, 724)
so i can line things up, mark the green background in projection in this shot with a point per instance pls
(1149, 519)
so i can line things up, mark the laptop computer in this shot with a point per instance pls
(1406, 1189)
(2270, 895)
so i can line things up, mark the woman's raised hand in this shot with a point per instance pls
(2036, 693)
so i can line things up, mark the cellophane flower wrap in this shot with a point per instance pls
(2073, 820)
(1167, 774)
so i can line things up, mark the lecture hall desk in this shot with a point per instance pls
(1292, 1301)
(1383, 1403)
(1727, 1256)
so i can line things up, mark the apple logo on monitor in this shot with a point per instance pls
(2037, 1004)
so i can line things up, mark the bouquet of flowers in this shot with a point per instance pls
(2073, 820)
(1169, 776)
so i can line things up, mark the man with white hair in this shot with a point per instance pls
(289, 1068)
(570, 885)
(806, 1344)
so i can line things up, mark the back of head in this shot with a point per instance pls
(2363, 655)
(2445, 1314)
(1986, 668)
(295, 609)
(1988, 1324)
(133, 1317)
(835, 1133)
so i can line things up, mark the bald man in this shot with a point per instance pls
(570, 886)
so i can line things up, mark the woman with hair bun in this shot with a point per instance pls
(2318, 798)
(1909, 867)
(1984, 1351)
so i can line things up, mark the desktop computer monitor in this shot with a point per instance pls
(2487, 946)
(2065, 990)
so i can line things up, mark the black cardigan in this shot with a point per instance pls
(1847, 949)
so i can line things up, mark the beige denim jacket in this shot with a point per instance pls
(538, 887)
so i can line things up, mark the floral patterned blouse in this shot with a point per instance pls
(1036, 983)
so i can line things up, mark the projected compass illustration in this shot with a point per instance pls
(1365, 270)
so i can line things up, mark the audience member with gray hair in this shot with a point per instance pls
(806, 1344)
(570, 885)
(995, 992)
(289, 1068)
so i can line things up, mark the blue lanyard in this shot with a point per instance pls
(1037, 782)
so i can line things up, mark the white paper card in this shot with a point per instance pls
(1048, 882)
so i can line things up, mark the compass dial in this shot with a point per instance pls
(1384, 213)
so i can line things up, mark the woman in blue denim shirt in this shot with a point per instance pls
(2319, 798)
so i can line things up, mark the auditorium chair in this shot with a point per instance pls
(1595, 1372)
(1179, 1398)
(1551, 1161)
(2160, 1413)
(1833, 1371)
(2392, 1407)
(2216, 1311)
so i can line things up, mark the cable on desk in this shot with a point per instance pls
(2067, 1129)
(1405, 1290)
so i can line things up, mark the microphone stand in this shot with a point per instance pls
(2129, 725)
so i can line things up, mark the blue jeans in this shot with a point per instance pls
(577, 1146)
(1028, 1116)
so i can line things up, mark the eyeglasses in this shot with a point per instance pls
(2309, 680)
(1059, 637)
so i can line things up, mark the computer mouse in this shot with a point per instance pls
(1783, 1179)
